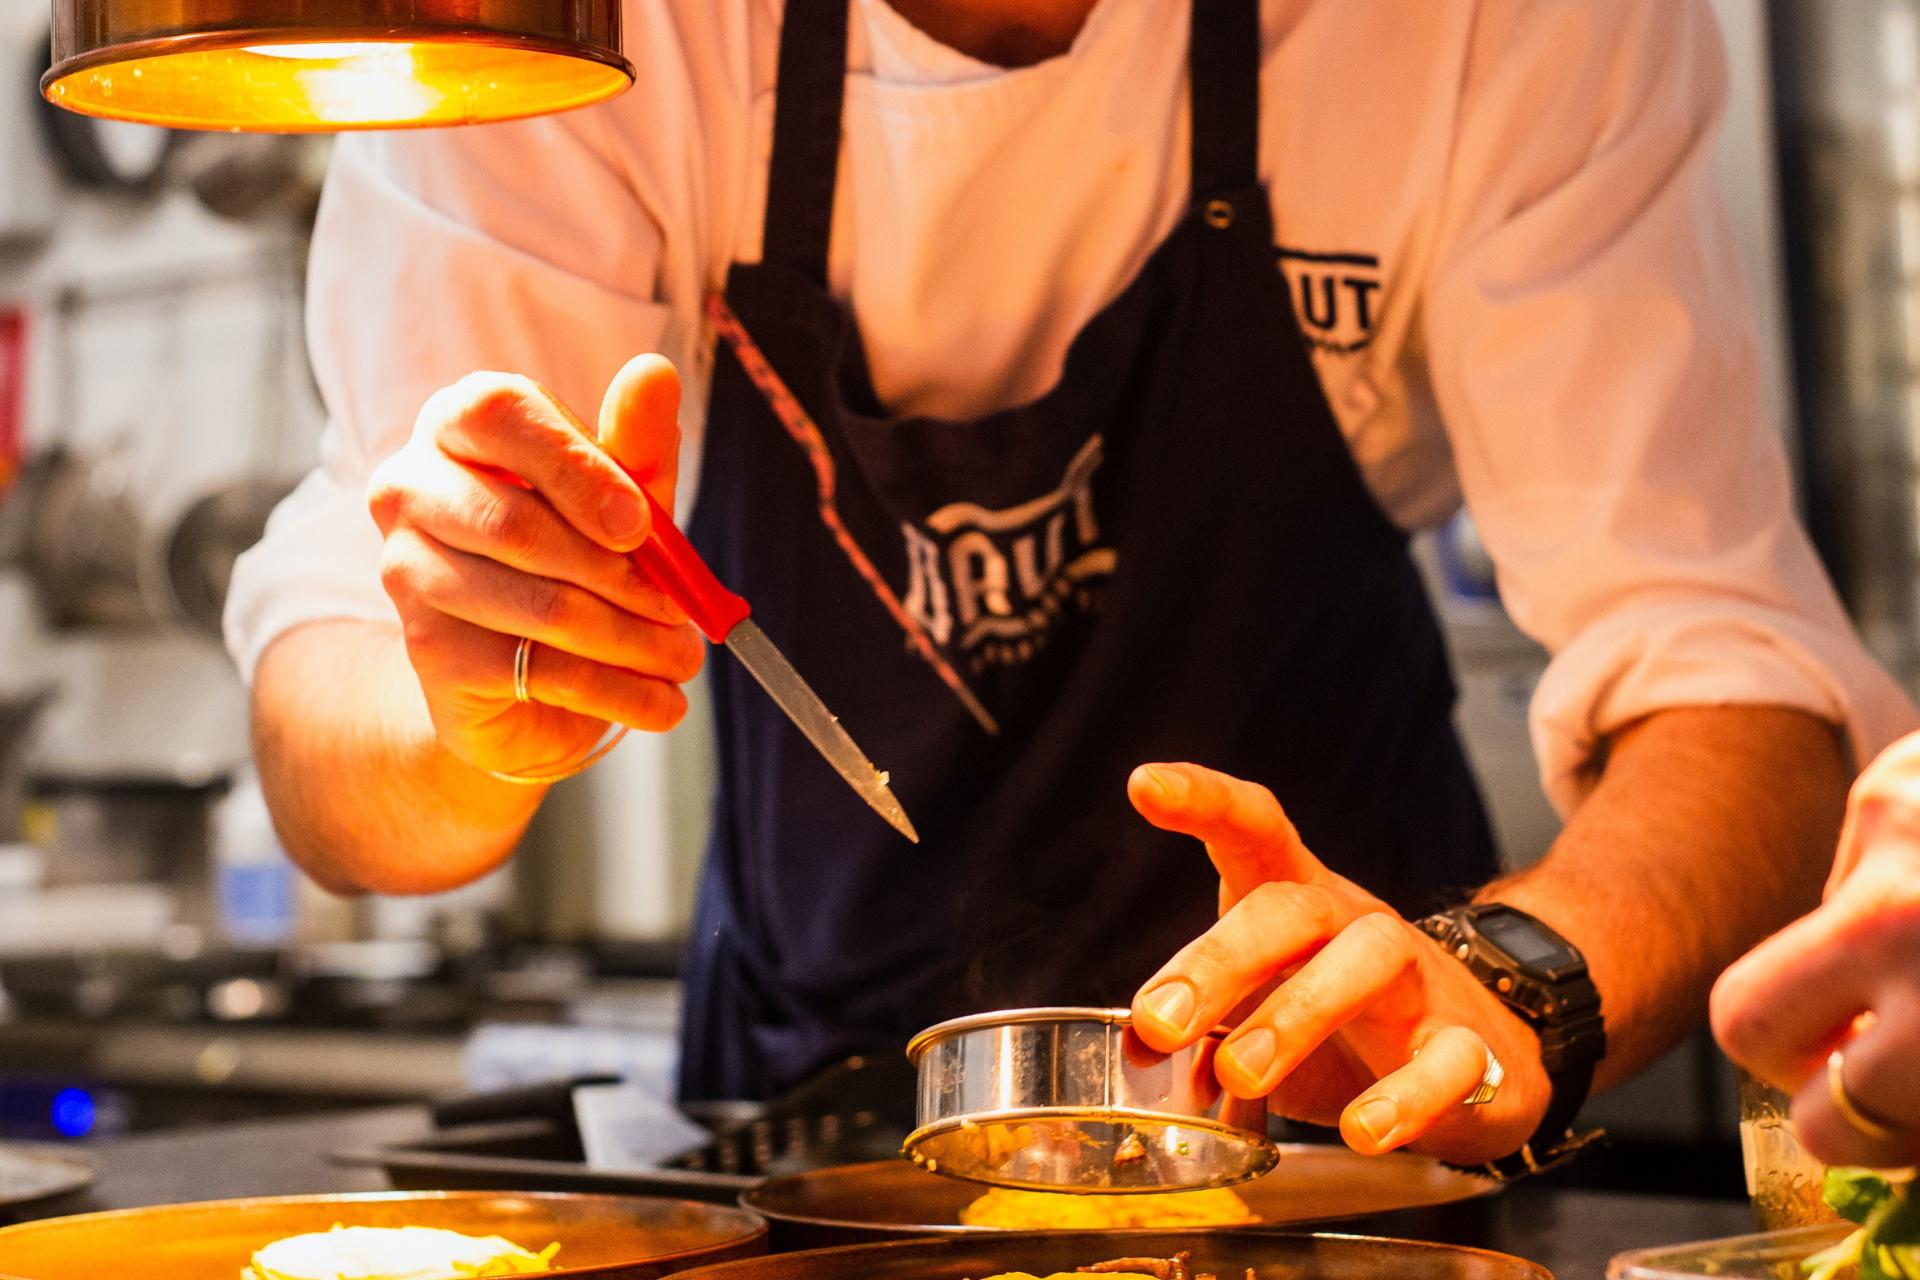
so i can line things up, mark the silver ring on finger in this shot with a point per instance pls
(1490, 1081)
(522, 665)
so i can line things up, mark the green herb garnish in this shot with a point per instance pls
(1887, 1245)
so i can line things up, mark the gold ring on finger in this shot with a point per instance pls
(1490, 1082)
(522, 664)
(1866, 1125)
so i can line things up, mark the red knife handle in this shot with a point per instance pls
(671, 564)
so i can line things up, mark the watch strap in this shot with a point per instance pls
(1567, 1019)
(1536, 1156)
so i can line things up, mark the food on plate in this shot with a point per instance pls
(1178, 1267)
(394, 1253)
(1887, 1245)
(1041, 1210)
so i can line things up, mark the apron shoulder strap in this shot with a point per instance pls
(1224, 71)
(806, 136)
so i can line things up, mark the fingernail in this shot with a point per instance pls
(1171, 1005)
(1252, 1053)
(1172, 785)
(621, 515)
(1377, 1117)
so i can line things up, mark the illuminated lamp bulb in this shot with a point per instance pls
(322, 66)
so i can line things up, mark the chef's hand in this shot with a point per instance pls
(505, 517)
(1331, 994)
(1852, 965)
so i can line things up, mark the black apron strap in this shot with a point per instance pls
(1224, 68)
(806, 136)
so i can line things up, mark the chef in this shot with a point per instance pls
(1063, 380)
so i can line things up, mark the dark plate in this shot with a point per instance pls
(892, 1199)
(610, 1237)
(28, 1174)
(526, 1139)
(529, 1155)
(1267, 1257)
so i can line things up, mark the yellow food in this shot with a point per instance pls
(1042, 1210)
(394, 1253)
(1070, 1275)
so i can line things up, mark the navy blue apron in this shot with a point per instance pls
(1168, 556)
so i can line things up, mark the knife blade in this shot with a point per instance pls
(669, 561)
(764, 661)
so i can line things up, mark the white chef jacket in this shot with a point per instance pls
(1498, 217)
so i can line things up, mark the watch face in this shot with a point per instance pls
(1528, 946)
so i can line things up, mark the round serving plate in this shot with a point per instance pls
(1228, 1256)
(1311, 1185)
(611, 1237)
(33, 1173)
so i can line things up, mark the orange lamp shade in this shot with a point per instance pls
(321, 66)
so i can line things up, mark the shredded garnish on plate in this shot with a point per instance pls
(1178, 1267)
(394, 1253)
(1044, 1210)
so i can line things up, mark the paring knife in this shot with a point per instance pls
(671, 564)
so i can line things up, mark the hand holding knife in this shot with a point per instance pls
(646, 394)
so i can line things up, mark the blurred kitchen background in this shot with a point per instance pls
(161, 963)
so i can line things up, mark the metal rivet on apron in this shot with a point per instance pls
(1219, 214)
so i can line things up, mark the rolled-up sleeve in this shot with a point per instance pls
(520, 247)
(1593, 352)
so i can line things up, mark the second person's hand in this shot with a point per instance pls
(1845, 977)
(1342, 1012)
(505, 518)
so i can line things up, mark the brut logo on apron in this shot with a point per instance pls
(991, 584)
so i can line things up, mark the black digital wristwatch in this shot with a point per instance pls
(1543, 978)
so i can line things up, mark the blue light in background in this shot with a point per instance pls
(73, 1113)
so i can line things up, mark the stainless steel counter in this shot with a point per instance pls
(167, 1071)
(295, 1061)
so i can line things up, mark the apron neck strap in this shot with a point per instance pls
(806, 136)
(1223, 61)
(1223, 67)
